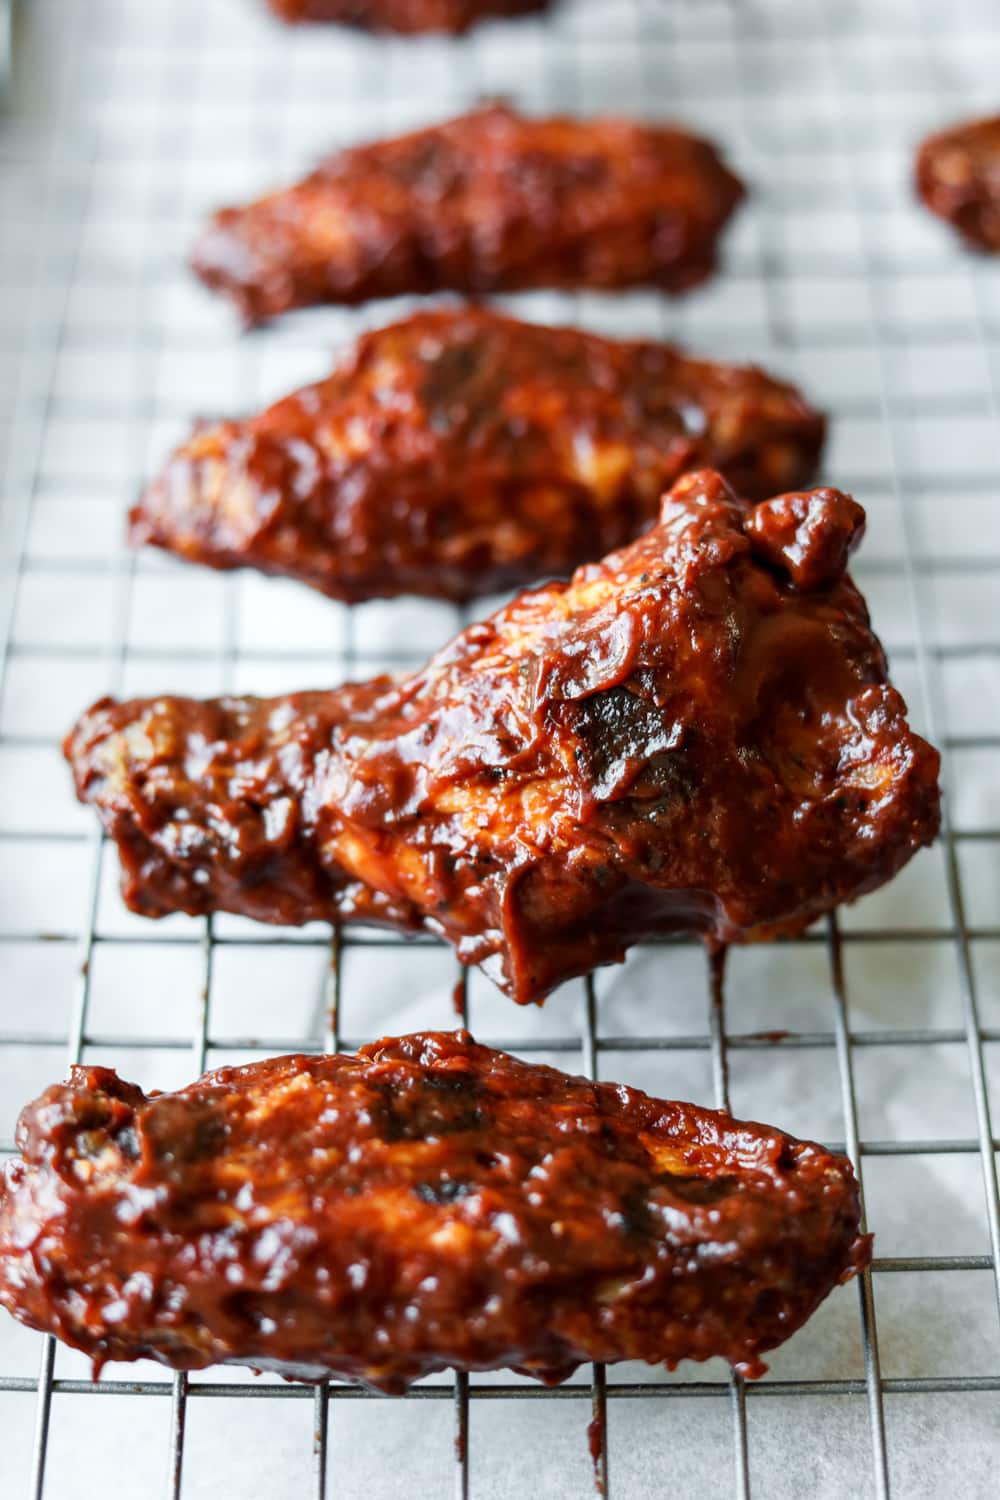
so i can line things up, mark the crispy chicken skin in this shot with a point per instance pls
(460, 452)
(426, 1204)
(405, 16)
(958, 177)
(695, 734)
(490, 201)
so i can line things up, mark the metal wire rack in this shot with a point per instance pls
(123, 124)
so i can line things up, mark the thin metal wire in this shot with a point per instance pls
(980, 322)
(768, 267)
(869, 1327)
(68, 651)
(199, 1055)
(146, 352)
(930, 692)
(462, 1433)
(914, 1385)
(321, 1433)
(179, 1395)
(374, 940)
(749, 1042)
(35, 422)
(30, 414)
(955, 896)
(331, 1043)
(461, 1438)
(43, 1417)
(598, 1430)
(975, 1046)
(720, 1088)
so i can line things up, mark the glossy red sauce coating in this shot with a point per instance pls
(679, 739)
(809, 535)
(459, 453)
(406, 16)
(427, 1204)
(491, 201)
(958, 177)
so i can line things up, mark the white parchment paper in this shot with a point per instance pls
(126, 123)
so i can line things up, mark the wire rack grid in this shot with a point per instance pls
(124, 124)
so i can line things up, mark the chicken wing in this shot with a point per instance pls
(460, 452)
(427, 1204)
(490, 201)
(958, 177)
(409, 17)
(695, 734)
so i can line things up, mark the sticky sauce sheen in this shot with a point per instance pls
(427, 1204)
(680, 739)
